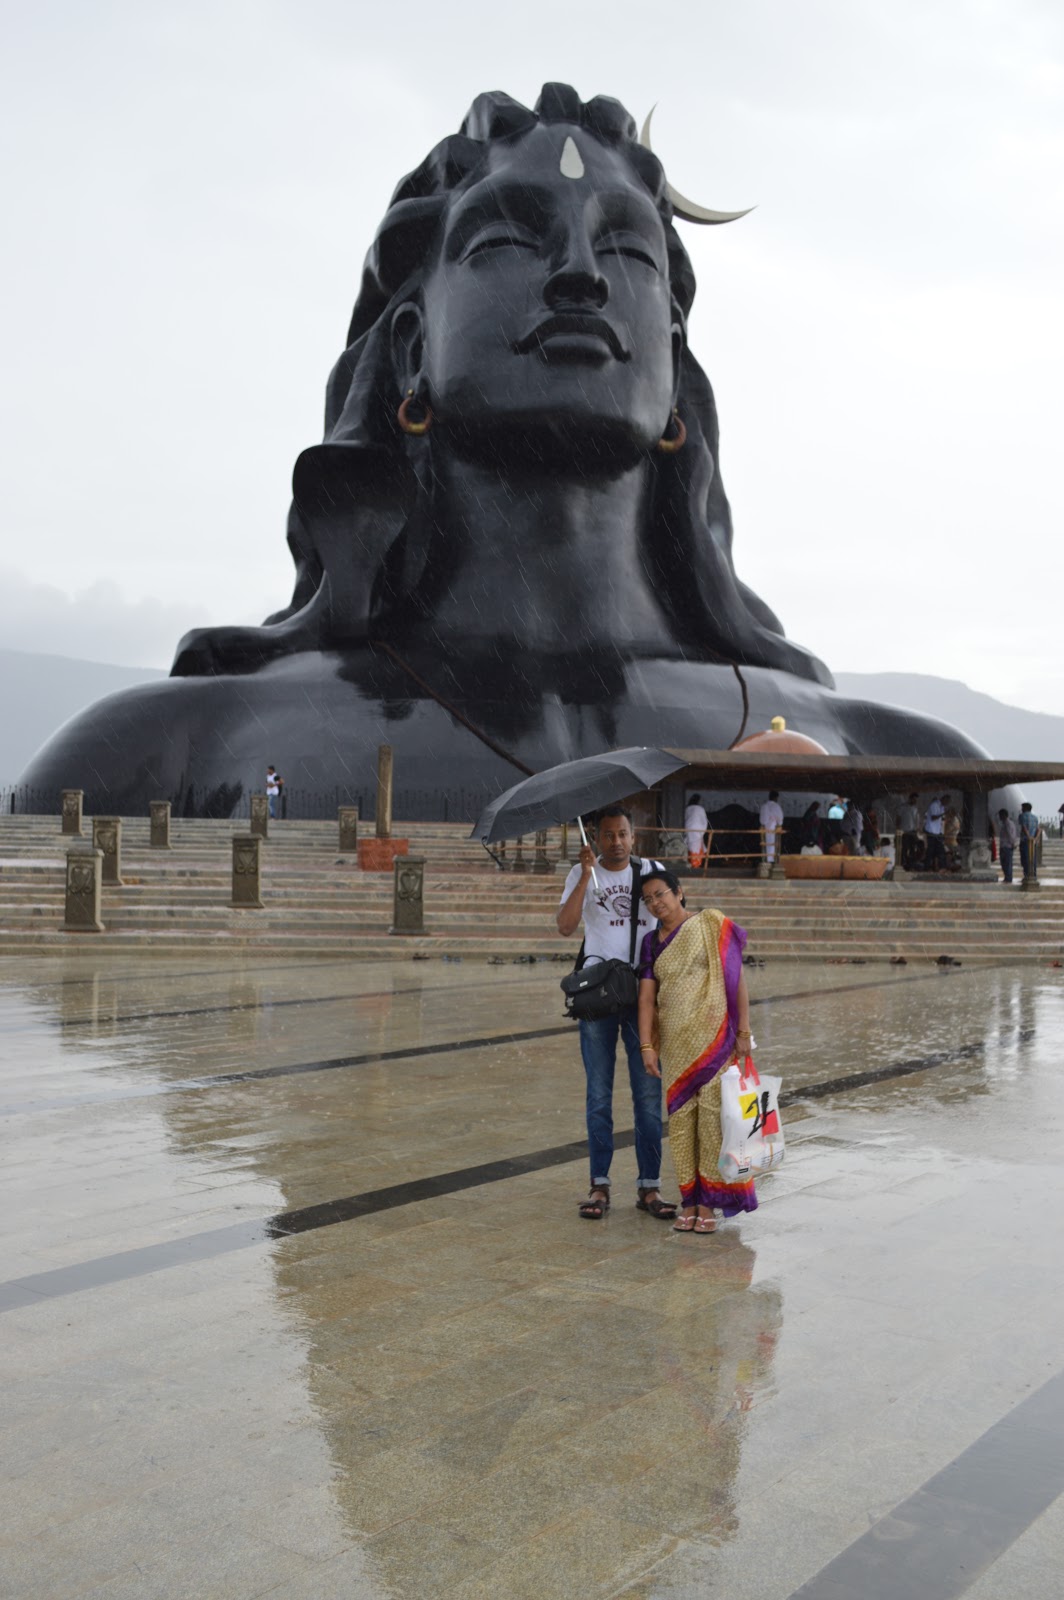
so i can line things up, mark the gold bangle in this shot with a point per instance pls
(646, 1047)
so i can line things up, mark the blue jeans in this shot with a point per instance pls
(1005, 852)
(598, 1047)
(1028, 856)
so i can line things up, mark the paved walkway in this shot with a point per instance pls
(295, 1300)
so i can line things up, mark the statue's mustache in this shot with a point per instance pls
(573, 322)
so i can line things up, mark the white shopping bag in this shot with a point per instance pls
(751, 1134)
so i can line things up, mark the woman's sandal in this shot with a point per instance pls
(684, 1223)
(594, 1208)
(657, 1207)
(705, 1225)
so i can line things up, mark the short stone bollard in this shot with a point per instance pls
(72, 800)
(519, 862)
(159, 837)
(260, 815)
(247, 871)
(408, 896)
(84, 883)
(347, 817)
(107, 837)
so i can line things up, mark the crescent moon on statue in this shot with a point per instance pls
(687, 209)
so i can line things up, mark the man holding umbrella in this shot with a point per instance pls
(599, 892)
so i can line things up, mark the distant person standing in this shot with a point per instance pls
(909, 827)
(1007, 835)
(934, 821)
(831, 837)
(1029, 832)
(274, 785)
(811, 824)
(852, 828)
(1060, 808)
(772, 822)
(696, 826)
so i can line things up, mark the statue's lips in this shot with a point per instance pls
(579, 332)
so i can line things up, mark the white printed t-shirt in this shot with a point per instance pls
(607, 913)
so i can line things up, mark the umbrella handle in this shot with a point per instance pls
(583, 835)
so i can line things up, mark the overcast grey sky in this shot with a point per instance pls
(191, 188)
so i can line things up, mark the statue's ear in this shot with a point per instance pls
(408, 345)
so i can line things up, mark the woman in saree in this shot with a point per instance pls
(694, 1020)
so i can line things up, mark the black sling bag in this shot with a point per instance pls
(605, 988)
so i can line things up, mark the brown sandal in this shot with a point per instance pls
(595, 1207)
(657, 1208)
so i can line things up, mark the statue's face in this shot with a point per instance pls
(548, 308)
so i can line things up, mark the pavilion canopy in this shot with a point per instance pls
(821, 774)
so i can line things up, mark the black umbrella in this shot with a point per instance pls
(567, 791)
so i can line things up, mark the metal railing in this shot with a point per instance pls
(721, 846)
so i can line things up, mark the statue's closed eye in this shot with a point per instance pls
(500, 239)
(627, 244)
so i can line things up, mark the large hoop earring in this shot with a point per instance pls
(667, 446)
(410, 424)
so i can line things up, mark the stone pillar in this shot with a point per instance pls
(563, 849)
(976, 862)
(541, 864)
(260, 815)
(384, 791)
(71, 810)
(107, 836)
(899, 873)
(408, 897)
(247, 871)
(347, 817)
(84, 881)
(159, 811)
(519, 862)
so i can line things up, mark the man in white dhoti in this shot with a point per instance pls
(772, 822)
(696, 825)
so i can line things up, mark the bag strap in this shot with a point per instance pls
(637, 878)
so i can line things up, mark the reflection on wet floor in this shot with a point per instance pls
(471, 1391)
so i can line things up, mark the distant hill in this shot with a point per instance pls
(1004, 730)
(45, 690)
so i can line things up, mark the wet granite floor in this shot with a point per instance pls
(240, 1358)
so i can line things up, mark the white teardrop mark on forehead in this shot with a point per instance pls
(571, 165)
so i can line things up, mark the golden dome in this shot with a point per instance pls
(779, 740)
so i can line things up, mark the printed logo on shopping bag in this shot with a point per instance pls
(755, 1109)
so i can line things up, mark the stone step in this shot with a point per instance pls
(260, 928)
(132, 903)
(1003, 904)
(376, 946)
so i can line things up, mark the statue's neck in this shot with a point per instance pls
(551, 564)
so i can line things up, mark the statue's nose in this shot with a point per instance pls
(576, 280)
